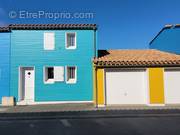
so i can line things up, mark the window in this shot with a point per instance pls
(71, 75)
(49, 75)
(54, 74)
(70, 40)
(49, 41)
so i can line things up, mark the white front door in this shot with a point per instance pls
(27, 85)
(172, 86)
(126, 86)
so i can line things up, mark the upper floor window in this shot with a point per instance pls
(49, 41)
(70, 40)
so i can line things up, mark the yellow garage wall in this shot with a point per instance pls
(156, 85)
(100, 86)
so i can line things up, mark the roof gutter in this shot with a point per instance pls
(134, 66)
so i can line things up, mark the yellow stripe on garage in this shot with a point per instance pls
(100, 86)
(156, 85)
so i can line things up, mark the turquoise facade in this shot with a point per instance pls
(4, 64)
(167, 40)
(27, 50)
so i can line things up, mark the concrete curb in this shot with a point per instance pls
(90, 114)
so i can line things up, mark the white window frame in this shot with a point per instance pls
(48, 49)
(71, 47)
(72, 81)
(49, 81)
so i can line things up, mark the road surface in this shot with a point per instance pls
(93, 126)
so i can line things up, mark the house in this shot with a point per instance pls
(50, 63)
(59, 63)
(4, 62)
(136, 77)
(167, 39)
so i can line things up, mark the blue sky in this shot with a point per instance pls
(122, 24)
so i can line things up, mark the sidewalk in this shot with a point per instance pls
(79, 107)
(47, 108)
(84, 111)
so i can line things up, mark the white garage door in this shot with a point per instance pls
(126, 86)
(172, 86)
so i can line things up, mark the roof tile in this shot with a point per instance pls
(149, 57)
(4, 29)
(52, 26)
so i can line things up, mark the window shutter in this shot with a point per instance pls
(59, 73)
(49, 41)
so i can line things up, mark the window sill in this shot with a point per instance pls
(71, 48)
(49, 81)
(50, 49)
(72, 81)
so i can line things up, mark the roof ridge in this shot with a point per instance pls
(169, 53)
(126, 49)
(129, 49)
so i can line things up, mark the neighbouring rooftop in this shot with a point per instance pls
(149, 57)
(167, 26)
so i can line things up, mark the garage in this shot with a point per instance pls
(172, 86)
(126, 86)
(136, 77)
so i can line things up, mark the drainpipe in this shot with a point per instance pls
(96, 88)
(95, 51)
(95, 68)
(9, 92)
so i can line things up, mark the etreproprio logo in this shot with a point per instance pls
(50, 15)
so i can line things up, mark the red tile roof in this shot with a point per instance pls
(136, 58)
(4, 29)
(52, 26)
(48, 27)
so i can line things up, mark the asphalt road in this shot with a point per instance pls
(92, 126)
